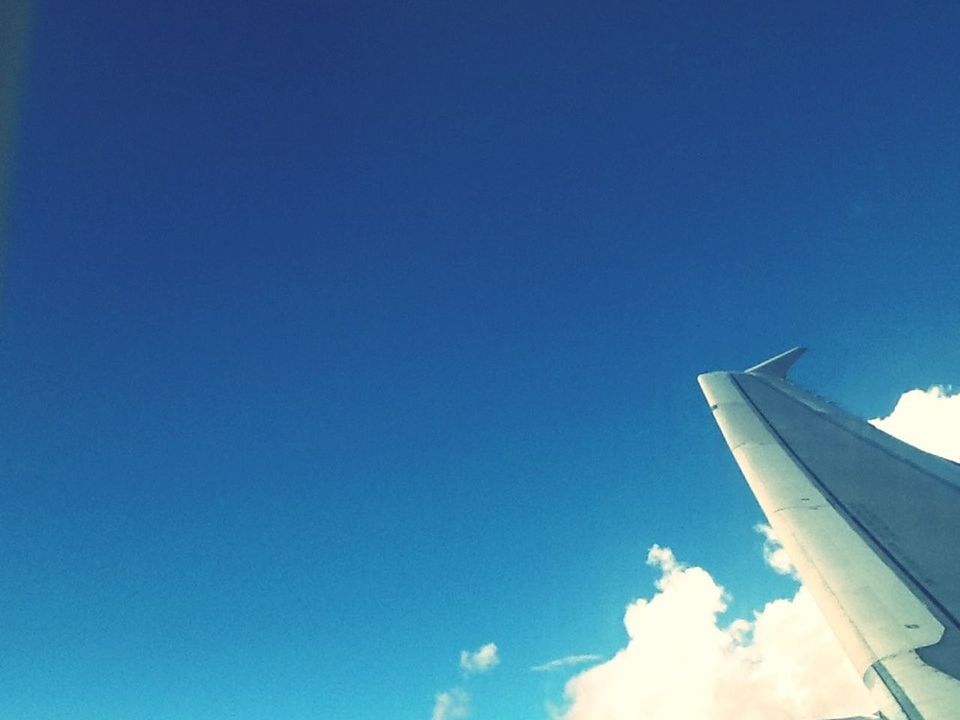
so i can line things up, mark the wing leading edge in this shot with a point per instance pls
(871, 524)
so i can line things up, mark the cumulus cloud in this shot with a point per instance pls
(927, 419)
(451, 705)
(680, 662)
(486, 658)
(565, 662)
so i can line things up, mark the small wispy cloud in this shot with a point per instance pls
(481, 660)
(451, 705)
(454, 704)
(565, 662)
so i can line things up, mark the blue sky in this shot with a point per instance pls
(340, 337)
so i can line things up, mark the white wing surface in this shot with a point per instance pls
(871, 523)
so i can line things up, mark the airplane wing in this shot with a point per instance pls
(871, 523)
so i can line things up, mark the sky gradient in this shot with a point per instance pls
(339, 338)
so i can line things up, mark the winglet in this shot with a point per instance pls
(779, 365)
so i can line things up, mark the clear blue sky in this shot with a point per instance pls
(338, 337)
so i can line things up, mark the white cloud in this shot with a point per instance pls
(565, 662)
(451, 705)
(927, 419)
(773, 553)
(784, 664)
(480, 661)
(455, 703)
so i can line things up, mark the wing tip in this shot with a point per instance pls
(779, 365)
